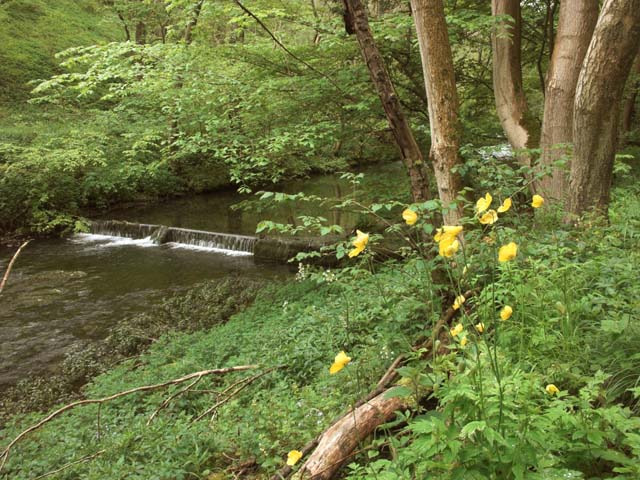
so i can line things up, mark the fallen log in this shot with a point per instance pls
(336, 445)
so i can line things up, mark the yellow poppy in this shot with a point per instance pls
(409, 216)
(360, 242)
(507, 252)
(506, 205)
(489, 218)
(457, 330)
(449, 249)
(457, 303)
(339, 363)
(537, 201)
(483, 203)
(293, 456)
(480, 327)
(505, 313)
(551, 389)
(448, 243)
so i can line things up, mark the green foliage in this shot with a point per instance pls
(34, 30)
(298, 327)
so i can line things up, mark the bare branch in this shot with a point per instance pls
(218, 371)
(13, 259)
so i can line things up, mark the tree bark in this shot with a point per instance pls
(511, 104)
(193, 21)
(606, 66)
(337, 444)
(575, 28)
(141, 33)
(629, 110)
(442, 98)
(409, 149)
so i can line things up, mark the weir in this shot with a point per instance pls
(262, 248)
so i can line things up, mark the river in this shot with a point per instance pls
(63, 291)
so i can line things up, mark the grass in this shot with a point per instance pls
(35, 30)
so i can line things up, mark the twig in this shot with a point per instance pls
(71, 464)
(13, 259)
(218, 371)
(244, 383)
(168, 400)
(289, 52)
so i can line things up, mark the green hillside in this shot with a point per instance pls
(33, 31)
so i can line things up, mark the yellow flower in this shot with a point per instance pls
(489, 218)
(507, 252)
(483, 203)
(480, 327)
(448, 243)
(537, 201)
(505, 313)
(464, 341)
(339, 363)
(458, 302)
(447, 230)
(293, 456)
(457, 330)
(410, 216)
(449, 249)
(506, 205)
(551, 389)
(360, 242)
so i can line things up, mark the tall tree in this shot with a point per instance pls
(606, 66)
(442, 97)
(575, 27)
(511, 103)
(406, 142)
(629, 110)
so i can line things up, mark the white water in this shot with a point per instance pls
(203, 248)
(105, 241)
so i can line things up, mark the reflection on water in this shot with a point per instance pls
(62, 291)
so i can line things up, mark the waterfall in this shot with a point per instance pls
(160, 234)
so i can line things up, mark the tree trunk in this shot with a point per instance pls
(442, 98)
(511, 103)
(575, 28)
(193, 21)
(629, 110)
(606, 66)
(409, 150)
(141, 33)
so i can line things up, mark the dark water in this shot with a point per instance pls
(64, 291)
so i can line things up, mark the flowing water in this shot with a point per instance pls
(68, 290)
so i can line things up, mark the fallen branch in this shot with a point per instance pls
(244, 383)
(71, 464)
(10, 266)
(219, 371)
(168, 400)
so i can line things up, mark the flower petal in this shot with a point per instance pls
(409, 216)
(537, 201)
(506, 312)
(293, 456)
(507, 252)
(506, 205)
